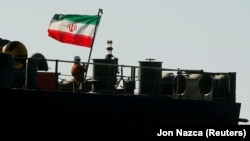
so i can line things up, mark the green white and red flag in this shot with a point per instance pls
(74, 29)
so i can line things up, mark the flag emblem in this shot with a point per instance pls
(72, 27)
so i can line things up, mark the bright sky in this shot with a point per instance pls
(212, 35)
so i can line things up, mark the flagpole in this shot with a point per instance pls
(98, 20)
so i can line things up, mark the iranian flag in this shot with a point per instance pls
(74, 29)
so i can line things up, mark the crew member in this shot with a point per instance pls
(77, 72)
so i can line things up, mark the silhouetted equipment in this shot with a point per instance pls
(36, 62)
(109, 49)
(104, 74)
(185, 84)
(224, 88)
(150, 77)
(167, 85)
(129, 86)
(47, 81)
(6, 70)
(18, 51)
(205, 86)
(193, 86)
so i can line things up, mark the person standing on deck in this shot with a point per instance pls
(77, 72)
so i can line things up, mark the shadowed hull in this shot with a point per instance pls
(40, 114)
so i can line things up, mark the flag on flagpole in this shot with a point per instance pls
(74, 29)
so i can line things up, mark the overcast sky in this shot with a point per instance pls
(212, 35)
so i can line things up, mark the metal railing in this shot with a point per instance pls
(112, 78)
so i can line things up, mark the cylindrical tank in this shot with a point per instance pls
(18, 51)
(150, 77)
(6, 70)
(104, 75)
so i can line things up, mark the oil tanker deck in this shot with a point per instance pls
(37, 103)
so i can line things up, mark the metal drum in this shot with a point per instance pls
(104, 75)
